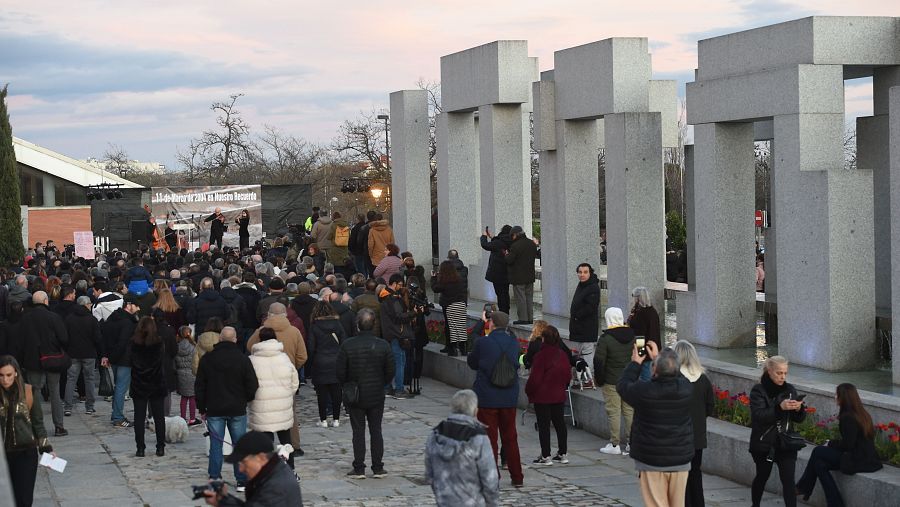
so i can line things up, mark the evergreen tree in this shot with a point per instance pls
(10, 199)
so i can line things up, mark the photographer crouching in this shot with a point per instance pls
(271, 482)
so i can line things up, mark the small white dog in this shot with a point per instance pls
(176, 429)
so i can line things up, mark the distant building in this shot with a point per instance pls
(133, 167)
(54, 189)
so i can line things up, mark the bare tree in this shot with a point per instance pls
(115, 160)
(218, 152)
(362, 139)
(850, 147)
(279, 158)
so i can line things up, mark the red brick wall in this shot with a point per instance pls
(57, 224)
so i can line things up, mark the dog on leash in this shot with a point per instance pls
(176, 429)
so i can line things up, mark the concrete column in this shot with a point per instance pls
(411, 173)
(635, 207)
(6, 492)
(569, 200)
(825, 247)
(894, 100)
(873, 152)
(771, 264)
(458, 185)
(503, 188)
(725, 305)
(689, 214)
(49, 191)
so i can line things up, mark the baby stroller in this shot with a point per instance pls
(582, 377)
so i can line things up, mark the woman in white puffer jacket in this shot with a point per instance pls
(271, 410)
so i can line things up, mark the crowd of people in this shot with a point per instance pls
(236, 331)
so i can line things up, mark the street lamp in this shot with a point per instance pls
(387, 145)
(376, 193)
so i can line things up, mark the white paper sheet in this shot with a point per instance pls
(52, 463)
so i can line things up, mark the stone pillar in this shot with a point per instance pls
(503, 189)
(411, 173)
(635, 208)
(569, 201)
(725, 305)
(6, 492)
(825, 247)
(873, 152)
(458, 185)
(894, 107)
(49, 191)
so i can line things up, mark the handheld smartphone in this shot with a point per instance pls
(641, 343)
(800, 397)
(489, 309)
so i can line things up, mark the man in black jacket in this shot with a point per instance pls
(356, 251)
(366, 362)
(520, 269)
(84, 343)
(216, 228)
(44, 334)
(271, 481)
(584, 312)
(226, 382)
(117, 331)
(496, 270)
(207, 305)
(396, 328)
(662, 435)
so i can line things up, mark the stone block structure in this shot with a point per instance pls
(894, 133)
(600, 94)
(411, 173)
(792, 74)
(483, 156)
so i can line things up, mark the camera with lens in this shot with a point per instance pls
(417, 299)
(214, 486)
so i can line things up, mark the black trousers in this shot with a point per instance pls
(693, 494)
(358, 418)
(502, 291)
(140, 415)
(284, 437)
(244, 242)
(786, 462)
(547, 413)
(22, 472)
(326, 393)
(215, 239)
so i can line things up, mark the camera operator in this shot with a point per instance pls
(418, 300)
(271, 482)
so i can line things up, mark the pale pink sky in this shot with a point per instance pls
(142, 74)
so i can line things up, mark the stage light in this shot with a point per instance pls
(90, 196)
(118, 194)
(110, 194)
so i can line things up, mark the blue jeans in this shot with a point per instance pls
(399, 364)
(237, 426)
(123, 382)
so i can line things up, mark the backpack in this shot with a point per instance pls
(504, 372)
(341, 236)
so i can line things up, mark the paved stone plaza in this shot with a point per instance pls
(103, 472)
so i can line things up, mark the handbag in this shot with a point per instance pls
(106, 383)
(56, 363)
(789, 440)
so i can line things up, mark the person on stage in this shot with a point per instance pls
(171, 236)
(154, 239)
(217, 228)
(243, 222)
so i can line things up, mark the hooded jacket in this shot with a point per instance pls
(17, 294)
(117, 331)
(380, 235)
(368, 300)
(337, 255)
(325, 337)
(703, 404)
(205, 343)
(613, 351)
(550, 376)
(584, 324)
(288, 335)
(320, 231)
(272, 407)
(459, 464)
(251, 296)
(184, 361)
(106, 304)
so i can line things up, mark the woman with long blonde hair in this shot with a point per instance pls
(165, 301)
(702, 406)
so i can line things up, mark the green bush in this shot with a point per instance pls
(675, 229)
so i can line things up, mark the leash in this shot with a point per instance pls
(212, 434)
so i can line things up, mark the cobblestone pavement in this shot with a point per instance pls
(103, 471)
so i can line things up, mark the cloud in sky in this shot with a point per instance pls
(143, 74)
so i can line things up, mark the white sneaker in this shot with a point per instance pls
(561, 458)
(322, 424)
(543, 460)
(611, 449)
(627, 450)
(335, 423)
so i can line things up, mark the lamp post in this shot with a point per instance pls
(376, 193)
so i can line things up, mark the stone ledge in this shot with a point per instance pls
(727, 455)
